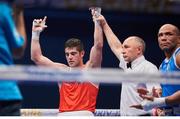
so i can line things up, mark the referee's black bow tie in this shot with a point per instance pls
(129, 65)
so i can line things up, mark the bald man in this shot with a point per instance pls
(169, 43)
(131, 51)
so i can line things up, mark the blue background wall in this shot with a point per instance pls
(63, 24)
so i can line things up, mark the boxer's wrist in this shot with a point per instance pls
(35, 35)
(157, 102)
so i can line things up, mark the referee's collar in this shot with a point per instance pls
(137, 61)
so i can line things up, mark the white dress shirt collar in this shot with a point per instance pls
(137, 61)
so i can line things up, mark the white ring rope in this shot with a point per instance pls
(46, 74)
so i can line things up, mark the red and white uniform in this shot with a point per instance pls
(75, 96)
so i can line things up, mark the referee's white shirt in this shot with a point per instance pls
(129, 95)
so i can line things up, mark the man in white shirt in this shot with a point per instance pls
(131, 51)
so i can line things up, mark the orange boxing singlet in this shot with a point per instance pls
(75, 96)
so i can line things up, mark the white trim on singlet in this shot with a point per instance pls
(174, 56)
